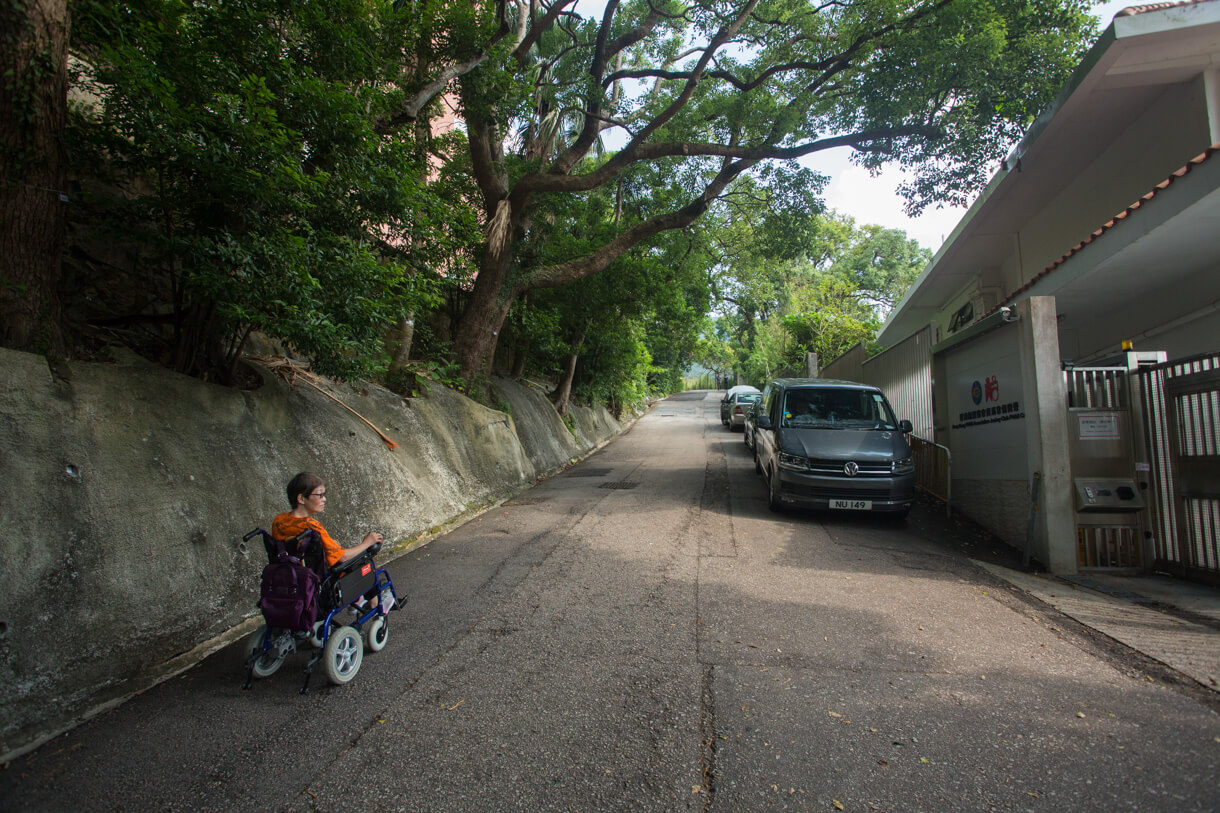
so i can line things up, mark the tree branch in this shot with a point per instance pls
(410, 109)
(863, 141)
(563, 273)
(537, 28)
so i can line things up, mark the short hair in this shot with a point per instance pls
(303, 483)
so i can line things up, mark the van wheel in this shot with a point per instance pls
(773, 500)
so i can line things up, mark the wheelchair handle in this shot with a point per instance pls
(253, 534)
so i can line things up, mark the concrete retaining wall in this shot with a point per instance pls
(125, 491)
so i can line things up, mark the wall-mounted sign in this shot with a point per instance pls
(986, 408)
(986, 402)
(1098, 426)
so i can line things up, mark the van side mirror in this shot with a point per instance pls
(906, 427)
(762, 422)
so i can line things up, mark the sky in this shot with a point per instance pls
(852, 191)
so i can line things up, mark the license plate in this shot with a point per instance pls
(852, 505)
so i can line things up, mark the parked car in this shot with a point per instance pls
(833, 444)
(728, 398)
(743, 403)
(747, 431)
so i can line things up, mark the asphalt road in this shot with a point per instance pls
(641, 633)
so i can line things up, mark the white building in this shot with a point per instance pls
(1101, 231)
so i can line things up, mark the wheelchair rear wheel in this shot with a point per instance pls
(342, 655)
(376, 634)
(267, 663)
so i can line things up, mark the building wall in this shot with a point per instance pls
(849, 366)
(904, 374)
(1002, 412)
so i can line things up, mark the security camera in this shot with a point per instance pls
(1008, 314)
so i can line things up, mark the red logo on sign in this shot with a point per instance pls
(368, 568)
(992, 386)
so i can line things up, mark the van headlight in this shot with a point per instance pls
(793, 462)
(904, 466)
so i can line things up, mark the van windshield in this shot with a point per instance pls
(837, 409)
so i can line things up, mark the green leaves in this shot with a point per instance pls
(240, 161)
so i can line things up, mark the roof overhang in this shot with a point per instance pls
(1134, 60)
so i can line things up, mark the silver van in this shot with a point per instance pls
(831, 444)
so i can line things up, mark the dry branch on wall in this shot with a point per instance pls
(290, 371)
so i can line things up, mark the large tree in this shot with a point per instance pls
(33, 101)
(711, 91)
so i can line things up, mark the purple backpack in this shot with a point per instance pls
(289, 592)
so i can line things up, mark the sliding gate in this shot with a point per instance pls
(1182, 417)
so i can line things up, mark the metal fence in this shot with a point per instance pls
(1096, 387)
(1182, 417)
(933, 469)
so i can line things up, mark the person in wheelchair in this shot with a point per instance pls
(307, 496)
(309, 579)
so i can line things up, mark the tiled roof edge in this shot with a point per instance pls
(1131, 11)
(1111, 223)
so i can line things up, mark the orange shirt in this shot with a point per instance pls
(286, 526)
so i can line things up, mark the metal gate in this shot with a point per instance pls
(1182, 417)
(1102, 448)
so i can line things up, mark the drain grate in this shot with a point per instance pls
(589, 472)
(620, 484)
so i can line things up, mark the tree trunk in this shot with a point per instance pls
(33, 108)
(563, 392)
(398, 342)
(479, 328)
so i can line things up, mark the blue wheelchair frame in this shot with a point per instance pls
(341, 590)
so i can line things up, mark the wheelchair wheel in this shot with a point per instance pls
(342, 655)
(266, 664)
(376, 634)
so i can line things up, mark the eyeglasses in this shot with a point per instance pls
(321, 495)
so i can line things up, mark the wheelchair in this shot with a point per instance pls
(343, 623)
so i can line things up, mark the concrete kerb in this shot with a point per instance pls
(186, 660)
(1156, 629)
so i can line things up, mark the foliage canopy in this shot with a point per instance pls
(271, 166)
